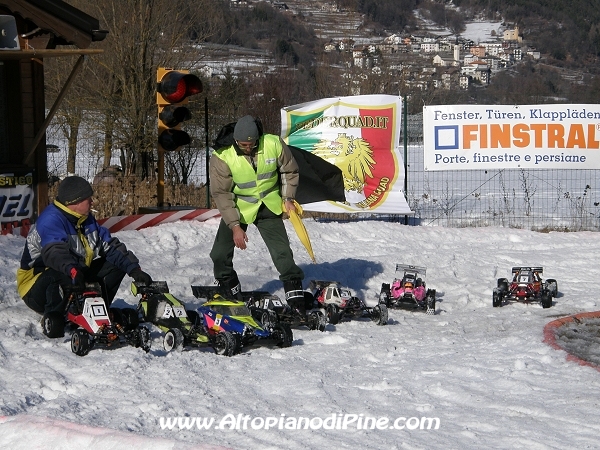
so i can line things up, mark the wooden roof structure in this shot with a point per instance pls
(45, 29)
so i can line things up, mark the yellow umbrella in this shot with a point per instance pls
(296, 219)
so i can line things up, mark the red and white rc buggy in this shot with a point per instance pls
(526, 286)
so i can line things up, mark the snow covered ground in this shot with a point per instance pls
(482, 31)
(482, 375)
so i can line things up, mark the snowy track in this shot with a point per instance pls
(484, 372)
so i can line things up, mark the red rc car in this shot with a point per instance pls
(526, 286)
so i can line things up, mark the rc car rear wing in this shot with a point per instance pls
(156, 287)
(518, 269)
(411, 268)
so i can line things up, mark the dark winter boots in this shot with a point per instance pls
(294, 295)
(232, 285)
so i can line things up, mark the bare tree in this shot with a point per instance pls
(121, 83)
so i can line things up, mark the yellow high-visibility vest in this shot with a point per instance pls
(252, 188)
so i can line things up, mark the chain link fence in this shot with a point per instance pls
(118, 191)
(541, 199)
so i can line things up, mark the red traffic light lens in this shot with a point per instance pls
(176, 86)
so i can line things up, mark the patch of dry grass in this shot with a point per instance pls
(123, 196)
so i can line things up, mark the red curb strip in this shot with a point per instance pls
(550, 335)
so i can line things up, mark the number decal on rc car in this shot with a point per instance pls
(98, 310)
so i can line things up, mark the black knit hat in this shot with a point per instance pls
(73, 190)
(245, 130)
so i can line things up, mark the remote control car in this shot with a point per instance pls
(220, 313)
(95, 324)
(408, 291)
(182, 328)
(269, 309)
(339, 303)
(526, 286)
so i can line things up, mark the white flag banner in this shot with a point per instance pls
(360, 135)
(458, 137)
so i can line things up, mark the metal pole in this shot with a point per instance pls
(160, 185)
(207, 152)
(405, 119)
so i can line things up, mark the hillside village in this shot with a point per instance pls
(430, 58)
(446, 62)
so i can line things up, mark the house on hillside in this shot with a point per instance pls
(512, 35)
(477, 50)
(492, 48)
(493, 62)
(469, 58)
(330, 47)
(346, 45)
(429, 46)
(448, 78)
(445, 60)
(39, 30)
(477, 70)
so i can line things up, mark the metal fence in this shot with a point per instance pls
(540, 199)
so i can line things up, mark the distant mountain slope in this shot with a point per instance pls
(568, 30)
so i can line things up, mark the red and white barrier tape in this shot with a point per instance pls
(139, 221)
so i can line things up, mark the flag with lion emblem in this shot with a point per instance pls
(360, 135)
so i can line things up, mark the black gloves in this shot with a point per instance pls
(77, 279)
(141, 277)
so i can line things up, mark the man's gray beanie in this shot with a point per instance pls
(73, 189)
(245, 130)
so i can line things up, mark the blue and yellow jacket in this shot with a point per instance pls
(61, 239)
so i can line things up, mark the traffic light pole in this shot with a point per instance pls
(207, 152)
(160, 185)
(172, 89)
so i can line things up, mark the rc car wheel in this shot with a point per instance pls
(173, 340)
(80, 342)
(552, 287)
(224, 344)
(333, 314)
(268, 319)
(430, 301)
(546, 300)
(496, 298)
(385, 295)
(379, 314)
(316, 321)
(239, 343)
(53, 325)
(283, 335)
(503, 285)
(143, 339)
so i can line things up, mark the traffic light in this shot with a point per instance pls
(172, 90)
